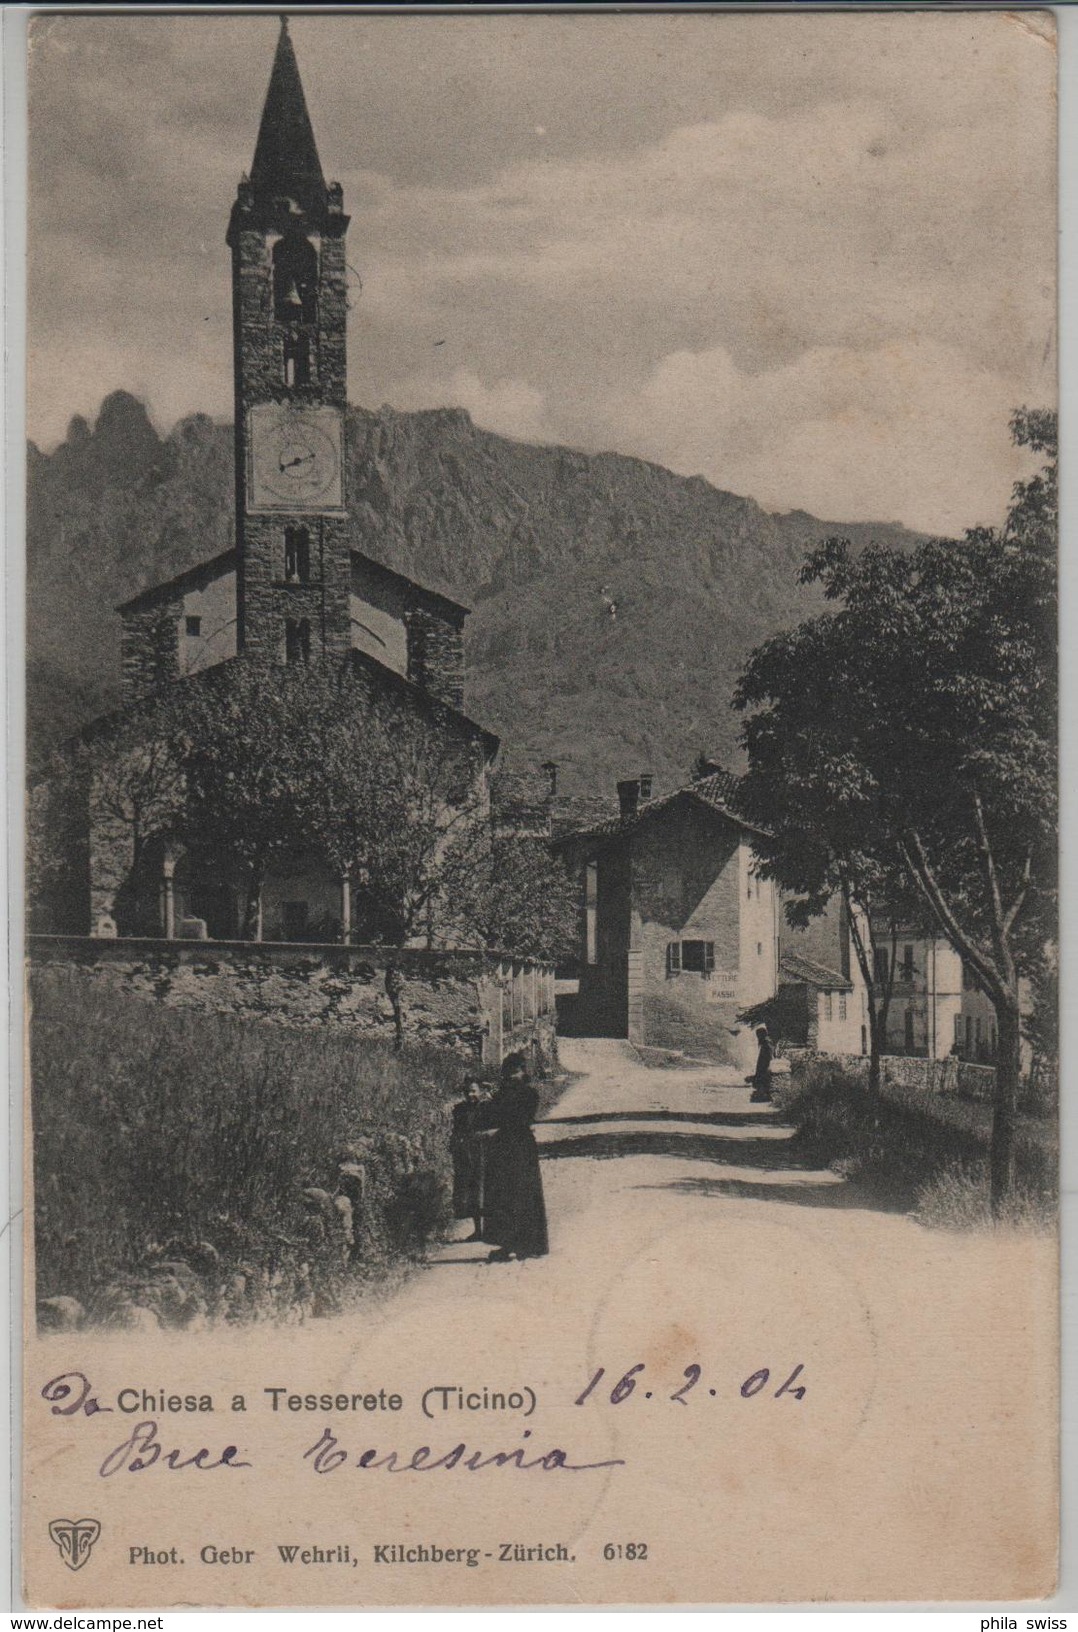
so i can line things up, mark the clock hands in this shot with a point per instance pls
(294, 458)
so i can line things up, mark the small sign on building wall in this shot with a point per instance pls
(721, 986)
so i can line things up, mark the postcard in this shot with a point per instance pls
(541, 951)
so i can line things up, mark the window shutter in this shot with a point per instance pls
(709, 957)
(673, 958)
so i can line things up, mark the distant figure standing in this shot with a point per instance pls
(394, 991)
(514, 1214)
(761, 1077)
(466, 1150)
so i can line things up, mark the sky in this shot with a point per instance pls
(809, 258)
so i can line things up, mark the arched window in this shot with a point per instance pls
(297, 640)
(297, 555)
(297, 360)
(295, 280)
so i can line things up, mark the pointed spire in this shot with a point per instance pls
(286, 161)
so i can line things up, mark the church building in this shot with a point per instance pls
(295, 589)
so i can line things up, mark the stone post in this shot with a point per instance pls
(168, 897)
(346, 908)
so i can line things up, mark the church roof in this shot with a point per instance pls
(455, 610)
(390, 680)
(206, 571)
(196, 577)
(286, 161)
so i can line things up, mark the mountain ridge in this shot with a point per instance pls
(614, 600)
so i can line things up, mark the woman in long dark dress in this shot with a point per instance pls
(466, 1151)
(514, 1214)
(761, 1077)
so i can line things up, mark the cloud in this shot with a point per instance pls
(905, 431)
(832, 225)
(820, 220)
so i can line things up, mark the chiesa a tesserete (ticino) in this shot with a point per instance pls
(295, 588)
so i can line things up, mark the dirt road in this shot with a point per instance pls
(919, 1462)
(768, 1393)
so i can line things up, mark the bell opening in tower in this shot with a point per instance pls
(295, 279)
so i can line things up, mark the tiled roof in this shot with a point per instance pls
(192, 578)
(419, 591)
(717, 791)
(395, 681)
(806, 972)
(578, 813)
(217, 565)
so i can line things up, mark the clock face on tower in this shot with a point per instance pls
(294, 458)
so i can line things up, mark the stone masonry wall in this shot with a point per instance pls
(948, 1076)
(454, 999)
(264, 602)
(259, 338)
(268, 602)
(436, 656)
(149, 651)
(686, 887)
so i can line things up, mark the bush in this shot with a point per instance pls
(188, 1166)
(916, 1151)
(959, 1198)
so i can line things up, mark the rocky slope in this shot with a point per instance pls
(614, 601)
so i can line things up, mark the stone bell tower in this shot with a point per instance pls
(289, 311)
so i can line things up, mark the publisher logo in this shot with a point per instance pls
(75, 1539)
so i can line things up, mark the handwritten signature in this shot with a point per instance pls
(71, 1395)
(328, 1455)
(142, 1449)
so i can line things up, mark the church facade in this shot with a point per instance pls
(295, 588)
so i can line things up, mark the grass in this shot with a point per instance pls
(918, 1152)
(187, 1166)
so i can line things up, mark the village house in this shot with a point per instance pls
(938, 1007)
(294, 589)
(677, 928)
(821, 1000)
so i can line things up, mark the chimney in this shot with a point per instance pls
(550, 766)
(705, 767)
(628, 799)
(645, 786)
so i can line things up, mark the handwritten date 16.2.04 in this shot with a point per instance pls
(756, 1384)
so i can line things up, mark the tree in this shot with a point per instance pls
(314, 762)
(819, 834)
(125, 778)
(251, 765)
(138, 778)
(287, 761)
(399, 803)
(513, 896)
(942, 688)
(56, 849)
